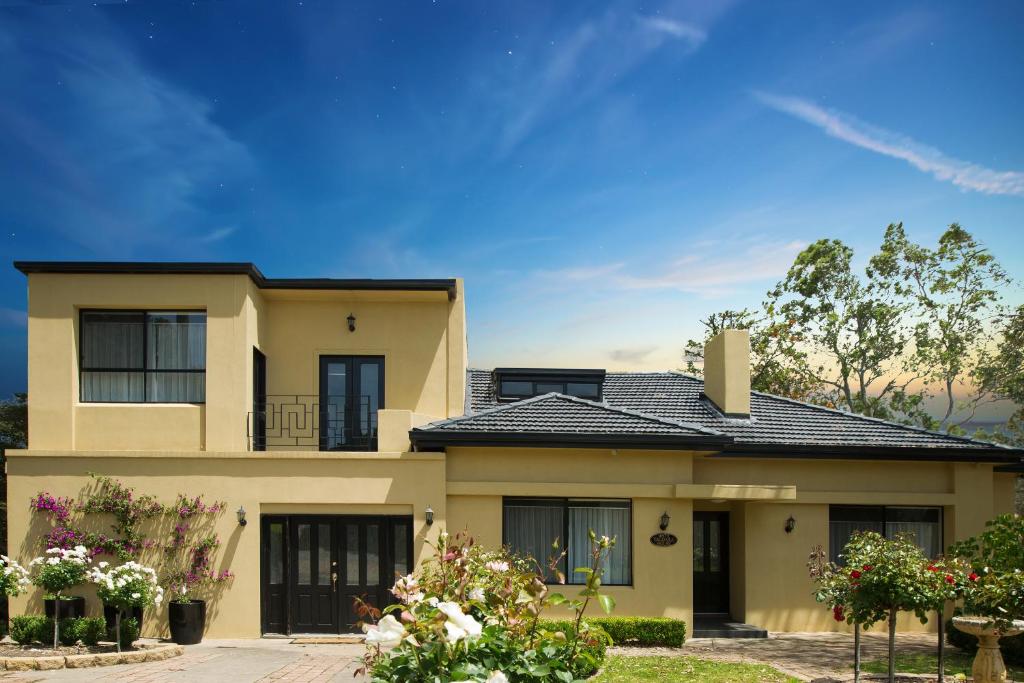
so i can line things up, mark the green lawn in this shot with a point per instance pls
(956, 663)
(620, 669)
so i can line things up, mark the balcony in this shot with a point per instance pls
(311, 422)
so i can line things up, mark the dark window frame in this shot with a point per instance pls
(881, 514)
(566, 504)
(562, 383)
(145, 313)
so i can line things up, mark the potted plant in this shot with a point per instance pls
(994, 594)
(63, 569)
(186, 613)
(126, 587)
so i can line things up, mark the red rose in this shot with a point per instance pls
(855, 574)
(950, 579)
(932, 568)
(837, 613)
(868, 567)
(972, 576)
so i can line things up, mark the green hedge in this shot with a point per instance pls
(27, 629)
(1012, 648)
(640, 631)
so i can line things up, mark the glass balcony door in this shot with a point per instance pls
(351, 393)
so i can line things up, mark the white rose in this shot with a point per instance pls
(459, 624)
(496, 677)
(477, 594)
(388, 632)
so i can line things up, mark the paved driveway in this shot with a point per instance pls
(225, 661)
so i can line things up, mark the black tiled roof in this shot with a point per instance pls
(557, 413)
(633, 402)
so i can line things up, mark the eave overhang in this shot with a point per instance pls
(437, 439)
(236, 268)
(1007, 457)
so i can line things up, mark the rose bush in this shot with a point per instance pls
(472, 614)
(996, 557)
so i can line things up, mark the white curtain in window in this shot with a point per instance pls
(176, 342)
(925, 534)
(531, 529)
(605, 521)
(112, 340)
(839, 535)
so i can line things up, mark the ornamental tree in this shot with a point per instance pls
(125, 587)
(882, 577)
(63, 569)
(996, 557)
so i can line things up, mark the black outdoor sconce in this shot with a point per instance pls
(241, 516)
(664, 520)
(429, 513)
(790, 525)
(351, 322)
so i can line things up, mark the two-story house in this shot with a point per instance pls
(342, 417)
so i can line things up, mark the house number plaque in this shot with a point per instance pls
(664, 540)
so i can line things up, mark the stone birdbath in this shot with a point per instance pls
(988, 664)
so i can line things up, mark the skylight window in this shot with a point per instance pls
(516, 384)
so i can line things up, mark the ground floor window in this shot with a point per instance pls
(923, 524)
(531, 525)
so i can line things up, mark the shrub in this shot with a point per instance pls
(27, 629)
(643, 631)
(595, 642)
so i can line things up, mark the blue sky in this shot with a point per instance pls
(602, 175)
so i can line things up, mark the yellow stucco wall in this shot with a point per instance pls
(420, 334)
(322, 483)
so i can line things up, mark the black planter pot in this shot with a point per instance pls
(187, 620)
(71, 607)
(110, 616)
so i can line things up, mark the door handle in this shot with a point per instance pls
(334, 581)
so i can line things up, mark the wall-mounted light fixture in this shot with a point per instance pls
(429, 514)
(351, 322)
(790, 524)
(664, 520)
(241, 516)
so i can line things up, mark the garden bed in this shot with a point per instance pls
(34, 658)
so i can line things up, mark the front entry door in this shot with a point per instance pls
(711, 562)
(315, 567)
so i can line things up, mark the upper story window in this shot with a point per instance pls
(515, 384)
(142, 357)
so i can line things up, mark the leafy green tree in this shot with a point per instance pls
(953, 291)
(854, 327)
(999, 375)
(777, 364)
(13, 434)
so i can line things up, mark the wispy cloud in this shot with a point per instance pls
(710, 269)
(676, 29)
(117, 159)
(583, 64)
(631, 355)
(218, 234)
(964, 174)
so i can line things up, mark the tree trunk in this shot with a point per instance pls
(856, 653)
(942, 648)
(117, 628)
(892, 645)
(56, 621)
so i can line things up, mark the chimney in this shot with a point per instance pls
(727, 372)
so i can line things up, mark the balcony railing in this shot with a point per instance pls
(298, 422)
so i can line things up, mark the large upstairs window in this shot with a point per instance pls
(142, 357)
(515, 384)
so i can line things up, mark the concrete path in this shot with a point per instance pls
(225, 661)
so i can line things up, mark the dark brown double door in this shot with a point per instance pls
(315, 567)
(711, 562)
